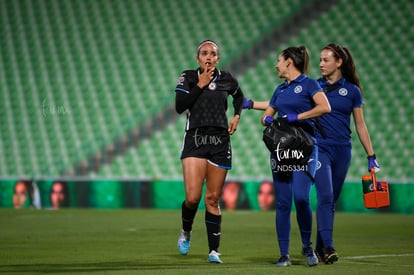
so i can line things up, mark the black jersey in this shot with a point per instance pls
(207, 107)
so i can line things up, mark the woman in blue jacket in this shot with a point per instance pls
(343, 90)
(298, 99)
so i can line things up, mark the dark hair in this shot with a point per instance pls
(204, 42)
(242, 198)
(348, 66)
(299, 56)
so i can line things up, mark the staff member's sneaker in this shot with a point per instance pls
(284, 261)
(329, 255)
(311, 258)
(319, 254)
(214, 257)
(184, 242)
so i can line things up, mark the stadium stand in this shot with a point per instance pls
(83, 81)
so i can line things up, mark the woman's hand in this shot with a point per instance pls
(205, 77)
(233, 124)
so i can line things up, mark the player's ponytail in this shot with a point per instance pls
(299, 56)
(348, 66)
(349, 71)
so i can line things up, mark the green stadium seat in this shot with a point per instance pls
(118, 66)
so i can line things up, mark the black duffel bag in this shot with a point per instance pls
(289, 143)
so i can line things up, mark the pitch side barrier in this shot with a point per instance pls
(51, 193)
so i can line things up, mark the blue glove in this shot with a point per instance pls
(372, 163)
(267, 120)
(247, 103)
(292, 117)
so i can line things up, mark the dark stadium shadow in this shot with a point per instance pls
(187, 258)
(176, 262)
(260, 260)
(70, 267)
(273, 261)
(298, 261)
(200, 260)
(123, 266)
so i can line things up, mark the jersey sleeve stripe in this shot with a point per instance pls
(182, 90)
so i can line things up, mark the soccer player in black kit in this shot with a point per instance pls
(206, 154)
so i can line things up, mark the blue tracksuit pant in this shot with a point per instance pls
(297, 188)
(330, 176)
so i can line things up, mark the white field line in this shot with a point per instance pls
(377, 256)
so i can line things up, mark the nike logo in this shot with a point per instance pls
(217, 234)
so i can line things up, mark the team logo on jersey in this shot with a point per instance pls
(318, 165)
(212, 86)
(343, 92)
(273, 163)
(180, 80)
(298, 89)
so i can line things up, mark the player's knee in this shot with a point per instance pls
(283, 207)
(302, 203)
(325, 199)
(212, 199)
(192, 201)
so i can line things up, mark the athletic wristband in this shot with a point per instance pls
(251, 104)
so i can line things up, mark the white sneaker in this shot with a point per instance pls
(213, 257)
(184, 242)
(311, 258)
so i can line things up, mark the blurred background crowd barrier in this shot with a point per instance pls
(162, 194)
(87, 91)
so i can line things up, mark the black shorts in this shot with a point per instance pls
(210, 143)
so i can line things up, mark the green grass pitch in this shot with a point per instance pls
(138, 241)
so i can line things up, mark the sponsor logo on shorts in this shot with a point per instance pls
(200, 140)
